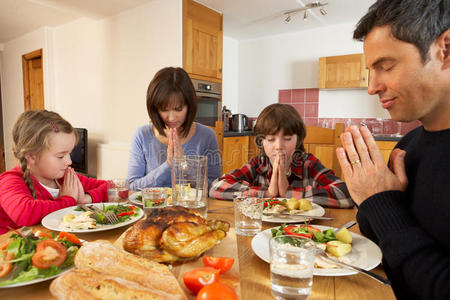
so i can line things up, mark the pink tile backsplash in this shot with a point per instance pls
(300, 107)
(311, 110)
(306, 102)
(298, 96)
(312, 95)
(311, 121)
(284, 96)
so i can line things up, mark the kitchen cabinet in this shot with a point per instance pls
(235, 153)
(202, 41)
(386, 148)
(345, 71)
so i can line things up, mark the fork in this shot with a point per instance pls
(110, 216)
(373, 275)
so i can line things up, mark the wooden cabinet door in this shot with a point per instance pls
(235, 153)
(253, 150)
(386, 148)
(345, 71)
(202, 40)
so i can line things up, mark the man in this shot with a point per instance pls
(405, 208)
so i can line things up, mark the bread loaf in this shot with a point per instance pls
(81, 284)
(113, 267)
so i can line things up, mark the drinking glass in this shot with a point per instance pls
(291, 266)
(190, 183)
(118, 190)
(248, 215)
(153, 198)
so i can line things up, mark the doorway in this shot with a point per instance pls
(33, 80)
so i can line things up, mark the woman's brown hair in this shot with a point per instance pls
(31, 134)
(276, 117)
(169, 82)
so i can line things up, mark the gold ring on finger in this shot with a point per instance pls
(355, 162)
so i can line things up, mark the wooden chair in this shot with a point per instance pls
(322, 143)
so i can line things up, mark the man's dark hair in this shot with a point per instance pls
(419, 22)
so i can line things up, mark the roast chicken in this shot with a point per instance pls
(173, 233)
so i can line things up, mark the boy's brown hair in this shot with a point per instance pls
(276, 117)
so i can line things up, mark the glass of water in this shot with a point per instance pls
(291, 266)
(153, 198)
(247, 215)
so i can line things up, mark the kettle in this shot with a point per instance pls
(240, 122)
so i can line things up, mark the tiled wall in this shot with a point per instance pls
(306, 102)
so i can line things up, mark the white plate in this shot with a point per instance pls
(365, 253)
(316, 211)
(37, 280)
(53, 221)
(132, 198)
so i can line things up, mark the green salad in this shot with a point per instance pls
(27, 256)
(123, 212)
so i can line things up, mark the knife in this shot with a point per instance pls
(298, 215)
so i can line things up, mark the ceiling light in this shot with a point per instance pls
(314, 4)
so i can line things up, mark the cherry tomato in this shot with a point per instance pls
(221, 263)
(197, 278)
(5, 267)
(216, 291)
(70, 237)
(42, 234)
(49, 253)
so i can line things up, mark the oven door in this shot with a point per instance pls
(208, 110)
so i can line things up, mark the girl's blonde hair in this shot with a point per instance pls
(31, 134)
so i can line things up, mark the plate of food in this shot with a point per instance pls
(27, 253)
(288, 210)
(347, 247)
(74, 219)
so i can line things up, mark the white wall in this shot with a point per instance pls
(230, 82)
(292, 61)
(98, 73)
(12, 82)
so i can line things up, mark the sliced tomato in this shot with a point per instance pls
(49, 253)
(197, 278)
(311, 230)
(221, 263)
(70, 237)
(5, 267)
(42, 234)
(216, 291)
(6, 244)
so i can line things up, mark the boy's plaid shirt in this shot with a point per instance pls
(307, 178)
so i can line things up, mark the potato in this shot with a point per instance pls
(344, 236)
(304, 204)
(292, 204)
(338, 248)
(68, 218)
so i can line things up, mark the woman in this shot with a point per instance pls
(284, 169)
(171, 106)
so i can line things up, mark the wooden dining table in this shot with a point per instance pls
(254, 273)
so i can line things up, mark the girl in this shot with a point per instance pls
(283, 169)
(43, 182)
(171, 106)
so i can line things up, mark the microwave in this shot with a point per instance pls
(209, 102)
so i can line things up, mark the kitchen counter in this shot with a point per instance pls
(387, 137)
(236, 133)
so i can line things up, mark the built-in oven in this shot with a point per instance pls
(209, 105)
